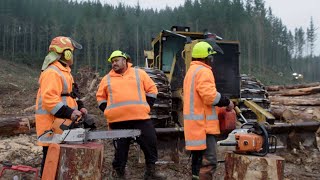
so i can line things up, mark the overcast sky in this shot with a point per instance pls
(293, 13)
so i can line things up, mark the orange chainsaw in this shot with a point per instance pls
(252, 138)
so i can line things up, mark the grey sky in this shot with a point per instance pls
(296, 13)
(293, 13)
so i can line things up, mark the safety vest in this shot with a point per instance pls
(126, 95)
(199, 96)
(53, 81)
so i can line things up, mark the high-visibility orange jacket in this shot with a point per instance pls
(200, 97)
(53, 81)
(125, 95)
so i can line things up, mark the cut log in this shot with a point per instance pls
(302, 101)
(240, 167)
(289, 113)
(302, 91)
(74, 161)
(296, 92)
(296, 86)
(14, 125)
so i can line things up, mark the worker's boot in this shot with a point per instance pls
(118, 174)
(206, 172)
(151, 173)
(195, 177)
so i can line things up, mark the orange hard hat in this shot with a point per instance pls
(61, 43)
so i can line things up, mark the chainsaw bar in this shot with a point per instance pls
(82, 135)
(113, 134)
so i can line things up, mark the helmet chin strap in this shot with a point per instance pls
(65, 62)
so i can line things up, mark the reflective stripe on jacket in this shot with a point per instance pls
(126, 95)
(53, 81)
(199, 96)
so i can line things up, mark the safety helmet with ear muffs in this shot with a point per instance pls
(65, 46)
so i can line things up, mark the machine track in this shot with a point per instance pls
(162, 108)
(252, 89)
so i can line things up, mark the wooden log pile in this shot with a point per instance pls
(295, 103)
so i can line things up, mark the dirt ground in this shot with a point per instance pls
(18, 86)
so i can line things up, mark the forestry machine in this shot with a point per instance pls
(167, 64)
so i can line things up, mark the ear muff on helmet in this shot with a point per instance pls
(67, 54)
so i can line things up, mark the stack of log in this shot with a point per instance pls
(295, 103)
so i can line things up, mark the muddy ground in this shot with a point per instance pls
(18, 86)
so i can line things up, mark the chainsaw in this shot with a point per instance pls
(67, 131)
(252, 138)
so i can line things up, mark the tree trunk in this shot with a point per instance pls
(302, 91)
(14, 125)
(295, 92)
(4, 40)
(295, 86)
(76, 161)
(302, 101)
(239, 167)
(13, 40)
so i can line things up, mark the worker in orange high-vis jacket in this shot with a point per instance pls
(125, 95)
(57, 95)
(201, 122)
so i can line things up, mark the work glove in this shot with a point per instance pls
(89, 122)
(150, 101)
(75, 115)
(84, 111)
(230, 106)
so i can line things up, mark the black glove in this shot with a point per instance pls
(150, 100)
(89, 122)
(103, 106)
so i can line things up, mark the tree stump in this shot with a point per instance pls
(75, 161)
(248, 167)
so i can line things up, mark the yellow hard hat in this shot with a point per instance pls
(202, 50)
(117, 53)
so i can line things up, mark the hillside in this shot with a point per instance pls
(18, 87)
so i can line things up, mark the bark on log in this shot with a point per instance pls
(296, 92)
(298, 101)
(240, 167)
(80, 161)
(302, 91)
(296, 86)
(289, 113)
(14, 125)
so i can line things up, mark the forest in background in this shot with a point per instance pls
(268, 49)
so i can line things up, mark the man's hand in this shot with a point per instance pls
(230, 106)
(84, 111)
(75, 115)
